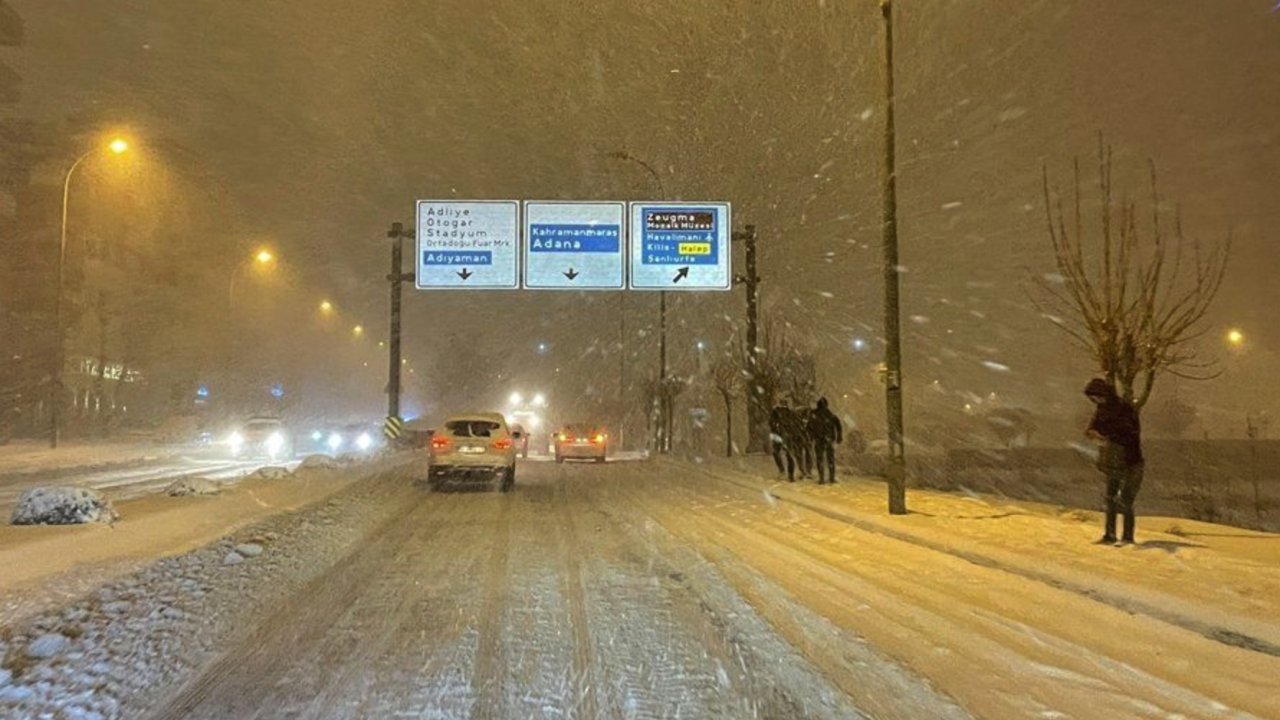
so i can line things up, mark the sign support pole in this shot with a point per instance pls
(398, 234)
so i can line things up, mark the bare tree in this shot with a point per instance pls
(1134, 296)
(729, 380)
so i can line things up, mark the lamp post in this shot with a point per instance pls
(664, 444)
(896, 468)
(117, 146)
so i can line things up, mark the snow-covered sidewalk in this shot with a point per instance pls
(1220, 581)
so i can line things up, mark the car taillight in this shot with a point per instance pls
(502, 444)
(439, 443)
(598, 438)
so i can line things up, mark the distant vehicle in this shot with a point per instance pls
(521, 438)
(261, 438)
(343, 439)
(581, 441)
(476, 447)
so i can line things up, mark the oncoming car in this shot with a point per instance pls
(581, 441)
(261, 438)
(473, 448)
(345, 439)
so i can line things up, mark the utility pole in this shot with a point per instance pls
(664, 401)
(896, 470)
(757, 415)
(398, 235)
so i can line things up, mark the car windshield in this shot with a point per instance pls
(472, 428)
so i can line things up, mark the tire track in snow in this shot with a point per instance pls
(487, 677)
(239, 683)
(583, 661)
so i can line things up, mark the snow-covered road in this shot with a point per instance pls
(122, 481)
(629, 590)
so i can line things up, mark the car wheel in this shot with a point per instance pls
(600, 459)
(509, 480)
(559, 458)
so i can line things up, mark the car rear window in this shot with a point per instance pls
(580, 430)
(471, 428)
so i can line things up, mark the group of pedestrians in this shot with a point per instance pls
(805, 439)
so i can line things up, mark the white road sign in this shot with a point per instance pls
(468, 244)
(574, 245)
(680, 246)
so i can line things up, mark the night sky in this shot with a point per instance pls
(318, 123)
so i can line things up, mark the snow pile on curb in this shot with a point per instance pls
(319, 462)
(270, 472)
(62, 506)
(187, 487)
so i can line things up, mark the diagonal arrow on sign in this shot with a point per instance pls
(572, 274)
(464, 274)
(680, 274)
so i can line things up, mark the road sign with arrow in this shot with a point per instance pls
(680, 246)
(468, 244)
(574, 245)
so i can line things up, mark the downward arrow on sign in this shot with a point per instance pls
(464, 274)
(572, 274)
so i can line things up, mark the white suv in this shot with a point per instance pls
(473, 448)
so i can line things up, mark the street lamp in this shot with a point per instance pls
(665, 443)
(326, 307)
(515, 399)
(358, 330)
(263, 258)
(1235, 338)
(116, 146)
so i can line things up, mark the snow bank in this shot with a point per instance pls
(187, 487)
(270, 472)
(62, 506)
(319, 462)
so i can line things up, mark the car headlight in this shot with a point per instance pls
(275, 443)
(236, 441)
(364, 442)
(335, 441)
(317, 436)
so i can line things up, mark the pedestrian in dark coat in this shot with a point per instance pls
(782, 420)
(803, 443)
(1115, 426)
(826, 431)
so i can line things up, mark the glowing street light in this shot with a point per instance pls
(539, 400)
(262, 258)
(1235, 337)
(357, 330)
(119, 146)
(516, 398)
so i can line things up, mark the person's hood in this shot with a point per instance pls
(1100, 388)
(822, 403)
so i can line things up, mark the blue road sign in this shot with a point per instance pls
(574, 245)
(468, 244)
(680, 246)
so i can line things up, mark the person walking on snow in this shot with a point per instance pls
(826, 431)
(803, 448)
(1117, 430)
(782, 420)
